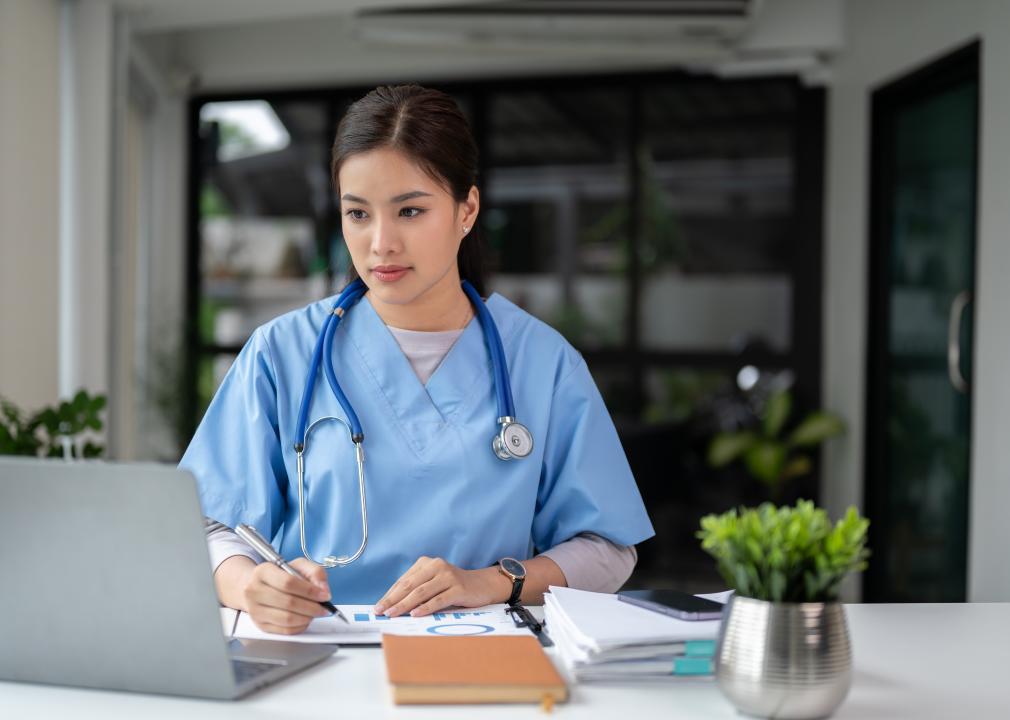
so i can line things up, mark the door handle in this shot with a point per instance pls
(957, 307)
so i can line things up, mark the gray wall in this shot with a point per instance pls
(29, 180)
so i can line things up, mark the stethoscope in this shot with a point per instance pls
(513, 439)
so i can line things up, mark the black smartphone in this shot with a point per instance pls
(674, 603)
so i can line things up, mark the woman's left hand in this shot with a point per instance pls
(433, 584)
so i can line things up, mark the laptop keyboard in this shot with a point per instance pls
(246, 670)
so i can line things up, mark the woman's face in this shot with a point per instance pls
(403, 229)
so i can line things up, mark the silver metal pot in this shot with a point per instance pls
(784, 660)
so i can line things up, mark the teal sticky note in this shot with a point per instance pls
(692, 666)
(699, 648)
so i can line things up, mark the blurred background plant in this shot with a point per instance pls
(69, 429)
(771, 454)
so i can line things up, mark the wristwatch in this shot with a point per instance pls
(514, 571)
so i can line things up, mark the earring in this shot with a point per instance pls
(465, 229)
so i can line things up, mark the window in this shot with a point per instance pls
(667, 224)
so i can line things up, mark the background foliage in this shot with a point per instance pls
(771, 455)
(47, 432)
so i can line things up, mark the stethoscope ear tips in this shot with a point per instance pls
(513, 442)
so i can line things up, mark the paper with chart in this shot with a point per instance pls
(365, 628)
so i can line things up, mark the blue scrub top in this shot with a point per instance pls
(433, 484)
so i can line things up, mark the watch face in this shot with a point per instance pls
(513, 567)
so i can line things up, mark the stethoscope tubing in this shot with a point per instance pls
(351, 294)
(503, 388)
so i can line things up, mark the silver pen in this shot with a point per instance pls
(260, 545)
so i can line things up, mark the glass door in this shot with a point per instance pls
(922, 256)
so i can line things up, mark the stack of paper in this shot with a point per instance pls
(600, 637)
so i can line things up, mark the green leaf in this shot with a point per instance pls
(6, 441)
(777, 586)
(81, 402)
(777, 412)
(816, 428)
(49, 420)
(11, 412)
(765, 460)
(92, 450)
(727, 447)
(797, 467)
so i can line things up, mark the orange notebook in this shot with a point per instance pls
(437, 670)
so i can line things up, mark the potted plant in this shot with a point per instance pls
(63, 430)
(783, 647)
(770, 454)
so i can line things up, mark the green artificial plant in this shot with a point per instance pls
(47, 432)
(787, 554)
(769, 454)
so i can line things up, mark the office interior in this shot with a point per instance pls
(712, 201)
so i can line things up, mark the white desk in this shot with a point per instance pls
(911, 661)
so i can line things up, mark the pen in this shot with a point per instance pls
(260, 545)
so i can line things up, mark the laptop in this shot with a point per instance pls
(107, 584)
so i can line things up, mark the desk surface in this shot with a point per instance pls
(910, 661)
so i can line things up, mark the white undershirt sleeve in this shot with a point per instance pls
(223, 543)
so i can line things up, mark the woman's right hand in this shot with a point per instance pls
(277, 601)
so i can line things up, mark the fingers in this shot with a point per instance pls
(278, 621)
(418, 574)
(315, 574)
(423, 583)
(288, 584)
(268, 597)
(441, 601)
(423, 593)
(276, 629)
(280, 602)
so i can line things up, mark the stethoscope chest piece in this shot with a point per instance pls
(513, 441)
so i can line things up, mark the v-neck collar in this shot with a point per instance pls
(422, 411)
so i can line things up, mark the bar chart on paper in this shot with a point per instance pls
(365, 627)
(480, 621)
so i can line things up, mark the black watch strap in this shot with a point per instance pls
(517, 590)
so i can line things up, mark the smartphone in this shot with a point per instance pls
(674, 603)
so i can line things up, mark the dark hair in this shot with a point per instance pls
(427, 126)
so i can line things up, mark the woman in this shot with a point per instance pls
(416, 366)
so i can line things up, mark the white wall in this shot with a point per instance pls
(29, 183)
(55, 334)
(84, 349)
(885, 40)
